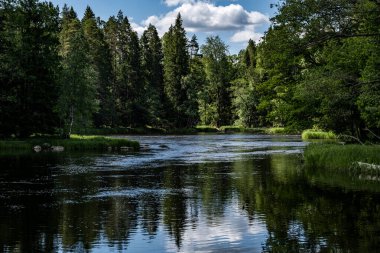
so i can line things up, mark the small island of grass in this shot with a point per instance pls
(315, 134)
(74, 143)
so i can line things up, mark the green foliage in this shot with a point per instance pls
(340, 157)
(82, 143)
(313, 134)
(75, 143)
(15, 145)
(216, 98)
(151, 63)
(76, 103)
(206, 129)
(28, 66)
(317, 65)
(100, 61)
(244, 89)
(176, 67)
(279, 130)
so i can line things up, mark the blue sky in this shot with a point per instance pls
(235, 21)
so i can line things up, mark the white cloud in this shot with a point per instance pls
(202, 16)
(177, 2)
(246, 34)
(138, 28)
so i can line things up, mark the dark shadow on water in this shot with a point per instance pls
(262, 203)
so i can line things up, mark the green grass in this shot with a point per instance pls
(258, 130)
(189, 130)
(121, 131)
(340, 157)
(75, 143)
(280, 130)
(311, 134)
(15, 145)
(206, 129)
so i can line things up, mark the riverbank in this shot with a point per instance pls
(342, 157)
(75, 143)
(184, 131)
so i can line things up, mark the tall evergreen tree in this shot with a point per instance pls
(193, 83)
(176, 67)
(245, 90)
(100, 59)
(151, 61)
(77, 97)
(28, 67)
(218, 71)
(128, 81)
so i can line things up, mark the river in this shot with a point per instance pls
(192, 193)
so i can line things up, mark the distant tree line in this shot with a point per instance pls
(316, 66)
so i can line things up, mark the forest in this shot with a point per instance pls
(317, 66)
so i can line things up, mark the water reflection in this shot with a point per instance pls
(262, 204)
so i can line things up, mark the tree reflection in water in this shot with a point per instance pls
(268, 203)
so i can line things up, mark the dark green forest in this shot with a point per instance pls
(317, 66)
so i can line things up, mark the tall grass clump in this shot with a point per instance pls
(313, 134)
(340, 157)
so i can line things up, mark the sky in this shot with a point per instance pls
(235, 21)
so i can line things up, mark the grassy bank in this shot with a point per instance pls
(340, 157)
(258, 130)
(75, 143)
(312, 134)
(193, 130)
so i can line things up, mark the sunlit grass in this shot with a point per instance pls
(75, 143)
(311, 134)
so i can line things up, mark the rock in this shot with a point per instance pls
(46, 146)
(57, 148)
(368, 166)
(164, 146)
(37, 149)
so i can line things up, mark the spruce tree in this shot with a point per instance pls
(77, 97)
(100, 59)
(176, 67)
(218, 69)
(128, 80)
(28, 67)
(151, 61)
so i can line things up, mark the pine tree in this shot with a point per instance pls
(176, 67)
(151, 61)
(28, 66)
(193, 83)
(77, 98)
(128, 81)
(100, 59)
(218, 68)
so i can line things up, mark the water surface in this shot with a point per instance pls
(203, 193)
